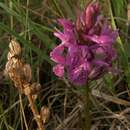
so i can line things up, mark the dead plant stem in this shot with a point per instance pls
(35, 112)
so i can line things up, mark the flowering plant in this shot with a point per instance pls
(86, 51)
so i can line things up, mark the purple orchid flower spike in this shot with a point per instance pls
(86, 51)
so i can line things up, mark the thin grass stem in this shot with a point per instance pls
(22, 110)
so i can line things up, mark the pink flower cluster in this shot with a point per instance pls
(86, 51)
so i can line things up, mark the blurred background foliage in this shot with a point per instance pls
(32, 23)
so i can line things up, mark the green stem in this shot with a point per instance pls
(87, 124)
(11, 17)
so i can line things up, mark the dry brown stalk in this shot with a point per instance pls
(20, 73)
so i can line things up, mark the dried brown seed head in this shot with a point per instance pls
(27, 72)
(27, 89)
(45, 113)
(35, 87)
(14, 49)
(9, 55)
(34, 97)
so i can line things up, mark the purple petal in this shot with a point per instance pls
(73, 50)
(106, 30)
(77, 76)
(100, 63)
(67, 24)
(91, 14)
(60, 35)
(67, 36)
(59, 70)
(103, 40)
(57, 56)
